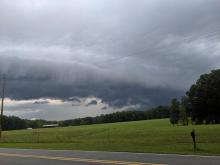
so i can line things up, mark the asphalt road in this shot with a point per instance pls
(64, 157)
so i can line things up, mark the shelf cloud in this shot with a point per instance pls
(124, 53)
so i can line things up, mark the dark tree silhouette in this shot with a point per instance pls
(174, 111)
(204, 98)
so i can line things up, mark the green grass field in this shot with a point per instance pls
(139, 136)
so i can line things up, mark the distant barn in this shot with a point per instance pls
(50, 125)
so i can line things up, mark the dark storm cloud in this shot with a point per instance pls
(74, 99)
(93, 102)
(123, 52)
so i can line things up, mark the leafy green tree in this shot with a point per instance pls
(184, 110)
(204, 98)
(183, 116)
(174, 111)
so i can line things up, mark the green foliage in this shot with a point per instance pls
(183, 116)
(183, 111)
(13, 123)
(204, 98)
(174, 111)
(158, 112)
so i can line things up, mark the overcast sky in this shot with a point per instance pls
(76, 58)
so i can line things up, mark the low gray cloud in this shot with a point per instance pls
(104, 108)
(56, 110)
(41, 102)
(123, 52)
(74, 99)
(93, 102)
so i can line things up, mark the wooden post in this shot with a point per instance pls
(2, 105)
(193, 135)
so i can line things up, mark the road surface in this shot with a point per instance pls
(65, 157)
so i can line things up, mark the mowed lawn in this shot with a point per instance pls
(140, 136)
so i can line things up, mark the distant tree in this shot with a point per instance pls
(183, 117)
(174, 111)
(158, 112)
(86, 120)
(12, 123)
(183, 108)
(34, 124)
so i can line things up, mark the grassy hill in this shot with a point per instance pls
(139, 136)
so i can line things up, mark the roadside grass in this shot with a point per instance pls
(157, 136)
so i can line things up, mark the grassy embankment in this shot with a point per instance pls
(139, 136)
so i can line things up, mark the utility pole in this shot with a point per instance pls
(2, 106)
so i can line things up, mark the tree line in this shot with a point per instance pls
(154, 113)
(13, 123)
